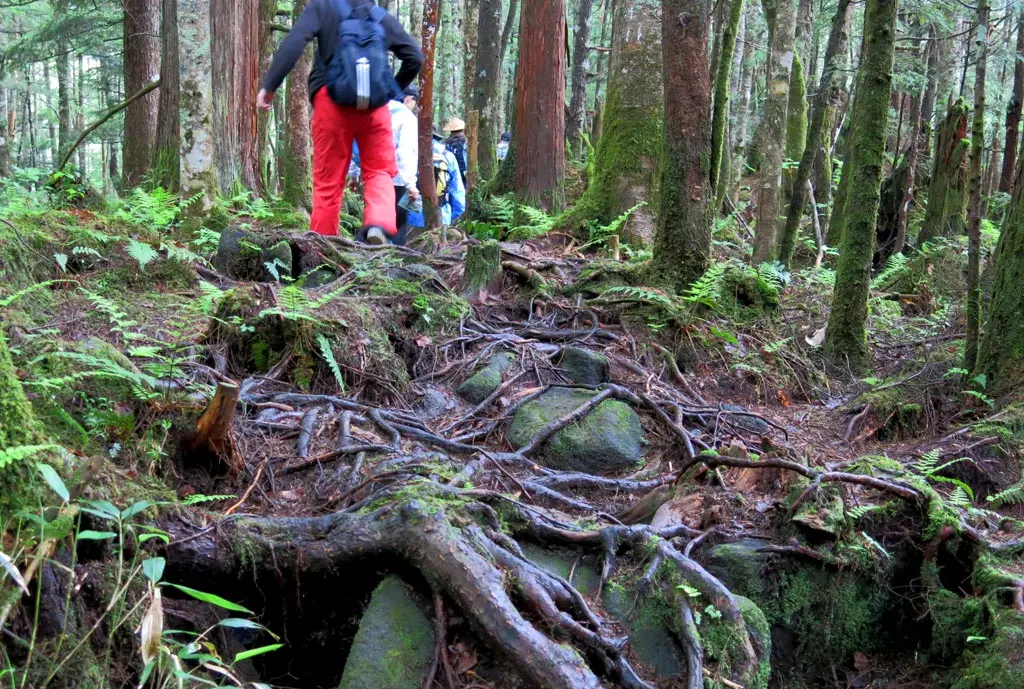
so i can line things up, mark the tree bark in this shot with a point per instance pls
(721, 106)
(264, 147)
(141, 67)
(60, 8)
(296, 163)
(416, 17)
(470, 33)
(946, 214)
(974, 205)
(773, 130)
(6, 130)
(630, 149)
(1001, 358)
(682, 246)
(913, 150)
(197, 165)
(818, 134)
(540, 106)
(235, 48)
(577, 122)
(80, 110)
(431, 16)
(742, 136)
(166, 159)
(487, 85)
(1013, 112)
(846, 341)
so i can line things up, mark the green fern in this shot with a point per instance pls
(293, 305)
(538, 223)
(928, 462)
(960, 497)
(143, 254)
(858, 512)
(328, 354)
(602, 232)
(706, 291)
(640, 294)
(199, 499)
(119, 319)
(19, 453)
(895, 267)
(1014, 495)
(150, 208)
(7, 301)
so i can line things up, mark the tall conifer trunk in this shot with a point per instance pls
(846, 341)
(975, 207)
(487, 86)
(1013, 112)
(141, 68)
(296, 163)
(166, 162)
(577, 123)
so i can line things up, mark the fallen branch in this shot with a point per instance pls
(534, 279)
(334, 454)
(103, 119)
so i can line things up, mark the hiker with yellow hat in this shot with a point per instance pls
(456, 143)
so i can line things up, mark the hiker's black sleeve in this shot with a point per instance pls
(303, 31)
(405, 49)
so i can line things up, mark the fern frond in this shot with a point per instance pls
(199, 499)
(1014, 495)
(895, 266)
(615, 225)
(7, 301)
(328, 354)
(639, 294)
(707, 289)
(19, 453)
(143, 254)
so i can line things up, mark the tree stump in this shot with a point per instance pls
(483, 273)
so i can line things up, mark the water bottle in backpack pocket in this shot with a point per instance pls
(358, 74)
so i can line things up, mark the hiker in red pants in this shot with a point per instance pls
(350, 86)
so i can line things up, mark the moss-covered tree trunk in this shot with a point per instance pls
(741, 134)
(197, 178)
(628, 156)
(1013, 112)
(721, 107)
(296, 163)
(17, 428)
(846, 341)
(487, 86)
(773, 129)
(946, 214)
(5, 132)
(540, 105)
(431, 16)
(470, 35)
(166, 163)
(682, 246)
(818, 133)
(1001, 357)
(975, 204)
(796, 132)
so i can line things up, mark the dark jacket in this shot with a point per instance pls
(320, 20)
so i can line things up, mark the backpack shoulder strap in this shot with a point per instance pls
(343, 9)
(377, 14)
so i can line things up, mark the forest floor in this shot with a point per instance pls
(870, 519)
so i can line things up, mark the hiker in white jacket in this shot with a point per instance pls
(405, 127)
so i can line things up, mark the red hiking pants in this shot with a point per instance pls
(334, 128)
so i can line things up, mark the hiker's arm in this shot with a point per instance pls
(405, 49)
(303, 31)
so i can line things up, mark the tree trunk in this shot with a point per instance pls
(6, 130)
(197, 174)
(1001, 358)
(64, 137)
(264, 147)
(167, 161)
(141, 68)
(721, 106)
(540, 106)
(431, 15)
(576, 125)
(80, 111)
(796, 125)
(632, 134)
(470, 33)
(296, 163)
(17, 428)
(415, 17)
(1013, 112)
(742, 136)
(846, 341)
(235, 48)
(683, 242)
(913, 149)
(975, 206)
(818, 134)
(946, 214)
(487, 85)
(773, 130)
(51, 130)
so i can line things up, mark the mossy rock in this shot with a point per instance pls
(649, 624)
(394, 646)
(751, 424)
(609, 438)
(585, 578)
(585, 367)
(997, 662)
(488, 379)
(825, 513)
(244, 255)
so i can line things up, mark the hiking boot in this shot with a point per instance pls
(376, 236)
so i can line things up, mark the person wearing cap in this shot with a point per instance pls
(456, 143)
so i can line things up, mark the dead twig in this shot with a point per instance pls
(248, 491)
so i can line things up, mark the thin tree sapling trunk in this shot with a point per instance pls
(431, 16)
(975, 204)
(577, 123)
(721, 105)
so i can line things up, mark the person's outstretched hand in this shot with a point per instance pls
(265, 100)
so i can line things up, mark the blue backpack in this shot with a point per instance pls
(358, 74)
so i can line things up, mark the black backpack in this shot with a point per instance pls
(358, 74)
(458, 149)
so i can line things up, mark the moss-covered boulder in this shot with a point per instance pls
(244, 255)
(997, 661)
(649, 623)
(584, 367)
(395, 642)
(609, 438)
(584, 576)
(485, 381)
